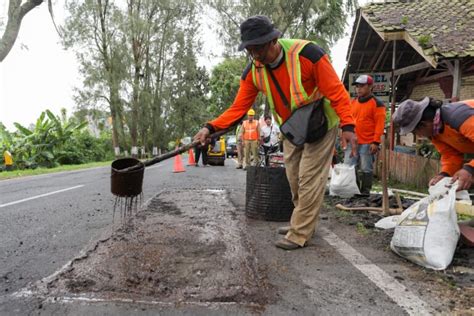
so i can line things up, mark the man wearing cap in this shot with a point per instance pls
(292, 74)
(369, 115)
(251, 135)
(450, 128)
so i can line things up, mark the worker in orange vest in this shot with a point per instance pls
(298, 80)
(369, 114)
(251, 137)
(450, 127)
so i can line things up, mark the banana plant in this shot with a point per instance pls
(41, 145)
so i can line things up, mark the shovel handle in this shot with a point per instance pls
(175, 152)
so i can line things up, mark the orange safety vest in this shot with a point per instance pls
(250, 130)
(299, 97)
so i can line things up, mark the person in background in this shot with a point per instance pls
(251, 137)
(240, 145)
(450, 127)
(201, 150)
(369, 116)
(270, 136)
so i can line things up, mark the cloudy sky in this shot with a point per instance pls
(38, 74)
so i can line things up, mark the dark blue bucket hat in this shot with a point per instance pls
(257, 30)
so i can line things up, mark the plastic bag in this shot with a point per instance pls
(343, 181)
(427, 232)
(388, 222)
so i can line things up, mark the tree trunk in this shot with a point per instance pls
(135, 105)
(158, 91)
(16, 12)
(114, 113)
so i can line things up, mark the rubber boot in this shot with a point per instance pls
(359, 180)
(366, 184)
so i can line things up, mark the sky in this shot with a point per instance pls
(39, 74)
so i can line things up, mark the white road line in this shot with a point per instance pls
(404, 298)
(40, 196)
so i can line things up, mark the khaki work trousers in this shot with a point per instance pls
(307, 170)
(240, 153)
(250, 148)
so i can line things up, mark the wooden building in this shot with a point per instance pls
(426, 46)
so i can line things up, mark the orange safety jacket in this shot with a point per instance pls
(457, 137)
(250, 130)
(313, 72)
(369, 116)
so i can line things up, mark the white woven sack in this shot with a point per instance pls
(427, 232)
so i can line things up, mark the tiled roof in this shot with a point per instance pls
(442, 28)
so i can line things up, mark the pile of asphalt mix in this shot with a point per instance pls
(185, 246)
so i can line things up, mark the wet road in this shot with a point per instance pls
(46, 221)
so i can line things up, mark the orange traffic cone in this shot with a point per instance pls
(191, 161)
(178, 164)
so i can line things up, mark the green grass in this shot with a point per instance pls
(33, 172)
(462, 217)
(341, 213)
(361, 229)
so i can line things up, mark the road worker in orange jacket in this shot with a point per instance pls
(369, 115)
(250, 131)
(304, 76)
(450, 128)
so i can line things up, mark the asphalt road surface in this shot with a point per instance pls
(48, 221)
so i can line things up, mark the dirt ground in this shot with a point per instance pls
(455, 283)
(169, 253)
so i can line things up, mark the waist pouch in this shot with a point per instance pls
(307, 124)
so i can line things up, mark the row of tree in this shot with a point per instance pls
(139, 58)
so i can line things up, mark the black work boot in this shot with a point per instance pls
(359, 179)
(366, 184)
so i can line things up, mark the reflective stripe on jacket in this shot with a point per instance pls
(299, 97)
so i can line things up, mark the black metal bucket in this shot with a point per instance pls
(127, 183)
(268, 194)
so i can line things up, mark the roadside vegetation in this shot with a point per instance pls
(54, 141)
(38, 171)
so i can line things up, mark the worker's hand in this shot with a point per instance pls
(465, 179)
(350, 138)
(202, 136)
(436, 179)
(374, 148)
(343, 143)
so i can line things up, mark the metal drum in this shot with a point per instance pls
(128, 183)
